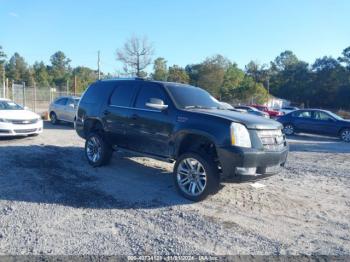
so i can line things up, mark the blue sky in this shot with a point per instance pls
(183, 31)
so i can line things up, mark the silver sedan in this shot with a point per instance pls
(63, 109)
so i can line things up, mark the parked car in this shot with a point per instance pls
(18, 121)
(315, 121)
(287, 109)
(253, 111)
(272, 113)
(182, 123)
(227, 106)
(64, 109)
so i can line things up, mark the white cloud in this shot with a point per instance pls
(13, 14)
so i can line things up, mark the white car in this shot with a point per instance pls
(17, 121)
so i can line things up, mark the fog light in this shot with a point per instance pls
(246, 170)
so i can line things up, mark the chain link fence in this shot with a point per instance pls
(36, 99)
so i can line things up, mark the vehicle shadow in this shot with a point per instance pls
(61, 175)
(317, 144)
(60, 125)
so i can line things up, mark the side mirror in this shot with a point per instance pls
(72, 105)
(157, 104)
(25, 108)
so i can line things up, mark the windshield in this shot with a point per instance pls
(193, 97)
(9, 105)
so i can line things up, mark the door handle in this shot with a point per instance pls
(106, 112)
(134, 117)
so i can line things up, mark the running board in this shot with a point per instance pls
(164, 159)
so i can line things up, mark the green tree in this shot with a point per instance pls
(160, 69)
(250, 91)
(232, 79)
(60, 69)
(85, 76)
(328, 76)
(211, 74)
(285, 60)
(178, 74)
(345, 58)
(16, 68)
(41, 74)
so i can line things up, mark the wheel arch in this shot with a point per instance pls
(187, 140)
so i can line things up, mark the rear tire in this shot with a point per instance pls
(196, 176)
(97, 151)
(345, 135)
(53, 118)
(289, 129)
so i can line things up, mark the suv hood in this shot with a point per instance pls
(18, 114)
(249, 120)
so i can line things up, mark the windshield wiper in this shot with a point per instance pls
(198, 107)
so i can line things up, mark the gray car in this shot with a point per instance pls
(63, 109)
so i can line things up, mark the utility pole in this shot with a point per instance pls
(3, 81)
(99, 65)
(67, 87)
(75, 85)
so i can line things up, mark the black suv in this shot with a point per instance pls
(182, 123)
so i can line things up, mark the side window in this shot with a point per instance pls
(322, 116)
(302, 114)
(147, 92)
(62, 101)
(123, 94)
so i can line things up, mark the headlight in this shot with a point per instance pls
(240, 135)
(3, 120)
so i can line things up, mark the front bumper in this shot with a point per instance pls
(232, 157)
(9, 129)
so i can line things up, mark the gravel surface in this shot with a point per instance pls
(53, 202)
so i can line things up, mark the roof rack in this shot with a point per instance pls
(123, 78)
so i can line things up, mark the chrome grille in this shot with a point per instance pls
(272, 140)
(24, 122)
(24, 131)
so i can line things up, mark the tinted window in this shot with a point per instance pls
(147, 92)
(322, 116)
(61, 101)
(302, 114)
(190, 96)
(91, 94)
(123, 94)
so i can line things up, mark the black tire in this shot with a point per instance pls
(103, 150)
(53, 118)
(289, 129)
(345, 135)
(211, 171)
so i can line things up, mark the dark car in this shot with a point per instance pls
(315, 121)
(182, 123)
(253, 111)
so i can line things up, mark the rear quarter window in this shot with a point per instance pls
(123, 94)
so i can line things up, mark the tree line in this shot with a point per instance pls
(325, 83)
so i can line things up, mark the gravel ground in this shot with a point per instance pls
(53, 202)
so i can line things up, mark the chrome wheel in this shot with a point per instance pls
(191, 177)
(288, 130)
(345, 135)
(93, 149)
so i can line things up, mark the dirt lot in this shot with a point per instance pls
(52, 202)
